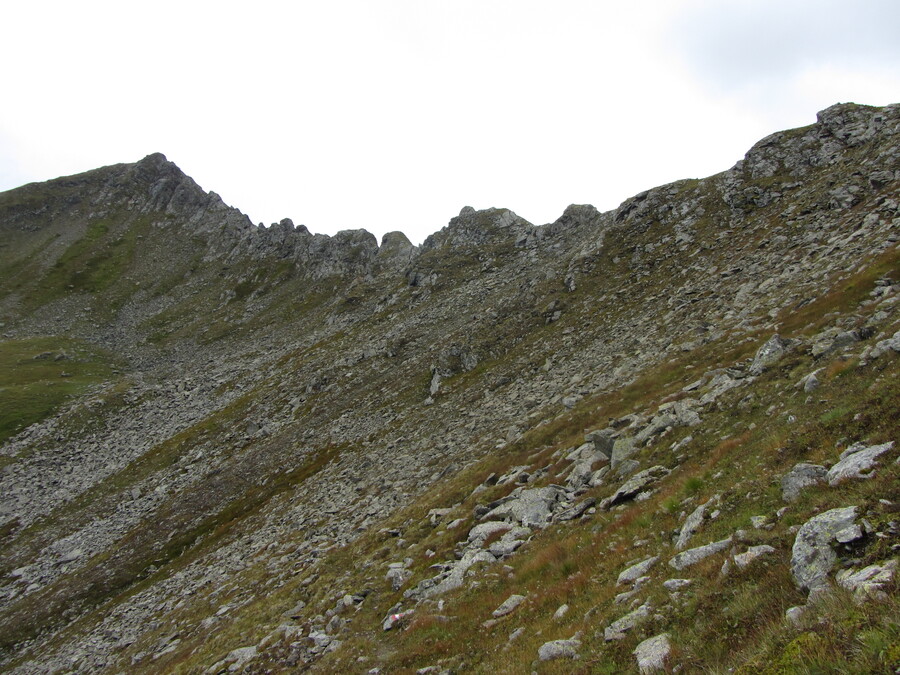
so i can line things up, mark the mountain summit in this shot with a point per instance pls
(661, 437)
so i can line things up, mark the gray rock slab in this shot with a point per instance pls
(692, 523)
(508, 606)
(800, 477)
(742, 560)
(559, 649)
(617, 629)
(652, 653)
(694, 555)
(857, 465)
(577, 510)
(636, 571)
(634, 485)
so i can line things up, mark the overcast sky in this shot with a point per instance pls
(394, 114)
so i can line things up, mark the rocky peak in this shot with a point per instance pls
(854, 124)
(477, 228)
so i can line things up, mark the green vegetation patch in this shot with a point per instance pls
(95, 263)
(38, 375)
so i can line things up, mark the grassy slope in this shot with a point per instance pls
(740, 452)
(38, 375)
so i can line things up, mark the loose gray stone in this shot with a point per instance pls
(617, 629)
(653, 653)
(561, 612)
(576, 511)
(676, 584)
(693, 522)
(810, 382)
(801, 476)
(768, 355)
(832, 340)
(694, 555)
(794, 615)
(635, 571)
(398, 576)
(508, 606)
(559, 649)
(479, 533)
(634, 485)
(509, 543)
(869, 581)
(238, 657)
(884, 346)
(391, 620)
(752, 553)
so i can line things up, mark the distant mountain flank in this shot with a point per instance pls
(660, 438)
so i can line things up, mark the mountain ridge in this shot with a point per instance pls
(264, 408)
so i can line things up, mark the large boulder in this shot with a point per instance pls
(812, 556)
(531, 508)
(856, 461)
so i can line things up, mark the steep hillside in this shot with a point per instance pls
(516, 448)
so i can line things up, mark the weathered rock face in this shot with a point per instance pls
(813, 555)
(272, 396)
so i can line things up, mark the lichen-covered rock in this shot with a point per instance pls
(751, 554)
(636, 571)
(869, 581)
(559, 649)
(694, 555)
(812, 556)
(801, 476)
(653, 653)
(768, 355)
(508, 606)
(617, 629)
(857, 463)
